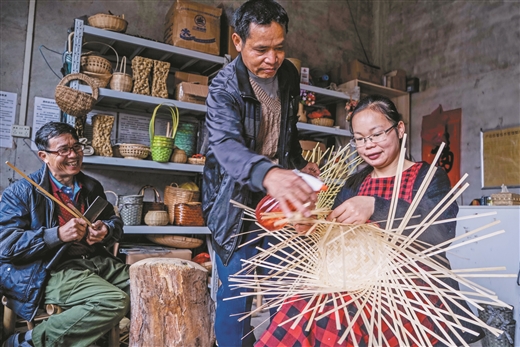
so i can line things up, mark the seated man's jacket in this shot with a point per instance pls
(29, 238)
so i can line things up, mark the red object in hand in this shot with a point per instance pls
(266, 205)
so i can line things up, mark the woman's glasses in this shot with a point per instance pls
(374, 138)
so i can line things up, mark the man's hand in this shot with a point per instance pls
(97, 232)
(288, 188)
(72, 231)
(311, 169)
(356, 210)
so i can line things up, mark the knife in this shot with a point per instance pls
(92, 212)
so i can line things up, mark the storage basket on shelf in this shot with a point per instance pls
(108, 22)
(155, 205)
(174, 195)
(162, 146)
(73, 101)
(325, 122)
(121, 81)
(156, 218)
(100, 80)
(134, 150)
(179, 156)
(186, 138)
(97, 67)
(189, 214)
(177, 241)
(131, 209)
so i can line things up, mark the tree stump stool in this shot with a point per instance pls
(170, 304)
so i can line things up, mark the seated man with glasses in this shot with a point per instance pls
(87, 282)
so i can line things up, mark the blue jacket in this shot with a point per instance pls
(29, 238)
(438, 188)
(233, 169)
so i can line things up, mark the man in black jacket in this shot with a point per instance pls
(89, 283)
(253, 144)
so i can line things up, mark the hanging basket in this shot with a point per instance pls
(73, 101)
(108, 22)
(121, 81)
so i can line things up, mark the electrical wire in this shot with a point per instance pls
(357, 32)
(45, 59)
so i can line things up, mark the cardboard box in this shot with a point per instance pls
(355, 69)
(395, 79)
(190, 92)
(132, 258)
(193, 26)
(181, 76)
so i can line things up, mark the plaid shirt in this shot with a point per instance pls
(323, 333)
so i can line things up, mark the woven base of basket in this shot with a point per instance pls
(176, 241)
(324, 122)
(197, 161)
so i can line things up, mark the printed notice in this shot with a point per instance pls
(45, 110)
(7, 114)
(134, 129)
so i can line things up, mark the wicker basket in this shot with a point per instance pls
(162, 146)
(73, 101)
(134, 151)
(156, 218)
(501, 318)
(324, 122)
(121, 81)
(179, 156)
(100, 80)
(174, 195)
(131, 209)
(176, 241)
(197, 161)
(108, 22)
(155, 205)
(96, 64)
(189, 214)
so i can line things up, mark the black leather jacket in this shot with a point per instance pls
(233, 170)
(29, 238)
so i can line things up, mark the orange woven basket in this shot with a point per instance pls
(189, 214)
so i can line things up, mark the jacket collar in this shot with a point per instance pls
(44, 181)
(244, 86)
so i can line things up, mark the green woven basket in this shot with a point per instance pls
(161, 154)
(162, 146)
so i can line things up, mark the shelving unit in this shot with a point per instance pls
(139, 165)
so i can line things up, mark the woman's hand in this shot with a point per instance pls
(356, 210)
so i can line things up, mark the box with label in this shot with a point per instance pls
(193, 26)
(356, 69)
(181, 76)
(395, 79)
(190, 92)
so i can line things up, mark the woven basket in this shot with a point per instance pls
(174, 195)
(176, 241)
(197, 161)
(131, 209)
(179, 156)
(96, 64)
(100, 80)
(189, 214)
(324, 122)
(156, 218)
(155, 205)
(108, 22)
(121, 81)
(73, 101)
(162, 146)
(134, 151)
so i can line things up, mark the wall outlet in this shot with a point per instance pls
(21, 131)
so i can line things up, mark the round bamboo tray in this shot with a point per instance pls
(176, 241)
(134, 151)
(108, 22)
(324, 122)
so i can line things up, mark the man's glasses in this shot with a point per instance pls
(65, 151)
(374, 138)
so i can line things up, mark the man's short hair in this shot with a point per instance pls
(262, 12)
(51, 130)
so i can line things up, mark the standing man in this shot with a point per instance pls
(253, 145)
(87, 282)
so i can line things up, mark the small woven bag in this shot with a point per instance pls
(162, 146)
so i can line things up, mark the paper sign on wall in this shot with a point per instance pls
(134, 129)
(45, 110)
(7, 114)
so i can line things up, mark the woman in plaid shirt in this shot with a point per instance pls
(377, 130)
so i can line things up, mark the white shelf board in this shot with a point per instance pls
(168, 229)
(116, 100)
(325, 96)
(305, 128)
(139, 165)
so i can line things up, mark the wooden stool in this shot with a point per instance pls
(170, 304)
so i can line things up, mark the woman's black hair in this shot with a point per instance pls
(262, 12)
(387, 108)
(50, 130)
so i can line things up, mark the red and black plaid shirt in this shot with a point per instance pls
(323, 332)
